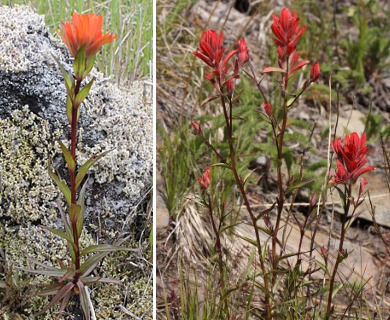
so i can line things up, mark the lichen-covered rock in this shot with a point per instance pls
(32, 117)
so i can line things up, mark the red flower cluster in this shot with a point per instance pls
(205, 179)
(211, 52)
(85, 30)
(351, 158)
(197, 127)
(315, 72)
(287, 32)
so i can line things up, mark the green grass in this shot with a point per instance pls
(130, 56)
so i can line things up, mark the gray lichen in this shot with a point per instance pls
(19, 49)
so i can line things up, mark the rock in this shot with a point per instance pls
(162, 214)
(380, 199)
(350, 120)
(32, 113)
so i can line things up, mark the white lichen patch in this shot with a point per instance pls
(26, 191)
(19, 47)
(128, 125)
(134, 296)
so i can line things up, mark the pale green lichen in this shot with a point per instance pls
(27, 192)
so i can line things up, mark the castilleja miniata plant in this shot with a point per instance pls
(225, 69)
(83, 38)
(351, 164)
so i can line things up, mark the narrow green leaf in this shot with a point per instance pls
(265, 230)
(89, 280)
(83, 93)
(224, 165)
(84, 169)
(93, 280)
(207, 100)
(50, 273)
(266, 211)
(297, 185)
(105, 248)
(81, 203)
(89, 67)
(290, 101)
(74, 212)
(69, 232)
(65, 221)
(90, 264)
(69, 275)
(61, 184)
(252, 242)
(79, 63)
(59, 233)
(288, 255)
(288, 158)
(69, 109)
(69, 80)
(224, 228)
(68, 157)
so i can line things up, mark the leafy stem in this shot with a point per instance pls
(240, 184)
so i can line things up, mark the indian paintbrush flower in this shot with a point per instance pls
(197, 127)
(315, 72)
(287, 31)
(243, 56)
(83, 37)
(267, 108)
(351, 159)
(211, 51)
(204, 180)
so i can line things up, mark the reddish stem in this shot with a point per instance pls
(73, 174)
(228, 120)
(344, 217)
(218, 246)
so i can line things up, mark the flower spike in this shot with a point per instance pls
(351, 158)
